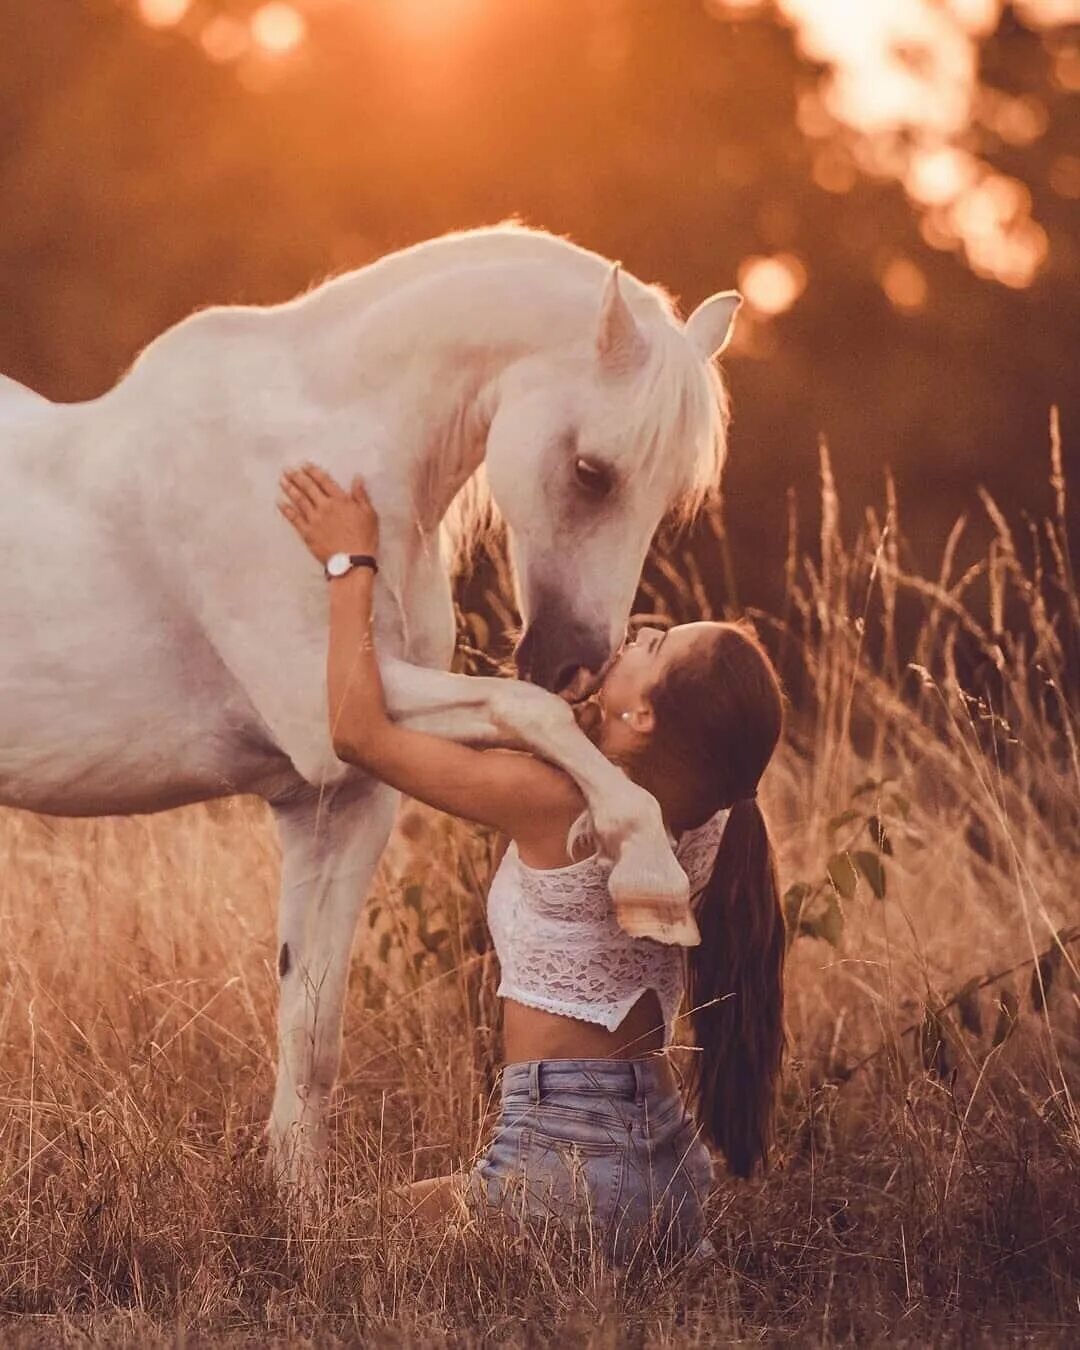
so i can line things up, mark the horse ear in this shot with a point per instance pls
(620, 343)
(710, 326)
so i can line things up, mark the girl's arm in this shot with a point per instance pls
(514, 792)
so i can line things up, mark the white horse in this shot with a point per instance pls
(163, 633)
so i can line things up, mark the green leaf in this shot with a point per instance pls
(831, 922)
(879, 835)
(844, 818)
(842, 874)
(1042, 977)
(873, 869)
(794, 897)
(969, 1007)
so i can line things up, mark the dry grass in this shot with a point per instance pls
(927, 1197)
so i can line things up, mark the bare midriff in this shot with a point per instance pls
(529, 1033)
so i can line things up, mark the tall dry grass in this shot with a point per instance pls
(927, 1169)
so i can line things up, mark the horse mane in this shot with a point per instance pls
(675, 387)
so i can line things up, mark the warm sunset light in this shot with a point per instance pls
(278, 28)
(903, 77)
(163, 13)
(432, 19)
(379, 366)
(772, 285)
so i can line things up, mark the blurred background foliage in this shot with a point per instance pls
(894, 185)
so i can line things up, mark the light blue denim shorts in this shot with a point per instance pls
(598, 1146)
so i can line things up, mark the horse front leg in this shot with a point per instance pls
(330, 845)
(626, 819)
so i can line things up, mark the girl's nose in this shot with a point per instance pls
(638, 623)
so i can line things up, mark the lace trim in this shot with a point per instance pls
(607, 1015)
(561, 949)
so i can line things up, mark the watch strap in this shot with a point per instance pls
(355, 560)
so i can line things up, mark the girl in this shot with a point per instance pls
(593, 1128)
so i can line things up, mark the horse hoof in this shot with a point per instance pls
(295, 1169)
(649, 877)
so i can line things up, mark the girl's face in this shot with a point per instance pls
(624, 695)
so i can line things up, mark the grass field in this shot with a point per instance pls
(927, 1174)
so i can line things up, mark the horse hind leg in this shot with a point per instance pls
(330, 850)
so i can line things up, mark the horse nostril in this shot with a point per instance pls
(564, 676)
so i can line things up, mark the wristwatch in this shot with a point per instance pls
(339, 563)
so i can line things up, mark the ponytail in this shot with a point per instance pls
(736, 990)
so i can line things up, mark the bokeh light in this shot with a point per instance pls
(734, 9)
(902, 81)
(163, 13)
(1017, 121)
(772, 285)
(834, 170)
(1047, 13)
(904, 283)
(224, 38)
(899, 96)
(278, 28)
(1066, 68)
(938, 176)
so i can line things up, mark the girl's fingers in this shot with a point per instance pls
(312, 487)
(306, 485)
(322, 479)
(297, 496)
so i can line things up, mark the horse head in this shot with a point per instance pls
(589, 448)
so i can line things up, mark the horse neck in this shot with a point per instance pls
(441, 343)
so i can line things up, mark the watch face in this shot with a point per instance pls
(338, 564)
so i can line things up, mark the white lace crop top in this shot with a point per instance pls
(559, 945)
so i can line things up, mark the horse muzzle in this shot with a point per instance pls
(565, 657)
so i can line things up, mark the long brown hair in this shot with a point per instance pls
(719, 715)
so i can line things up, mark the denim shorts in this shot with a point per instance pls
(602, 1148)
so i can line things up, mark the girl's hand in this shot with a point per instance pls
(328, 519)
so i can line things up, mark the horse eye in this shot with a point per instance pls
(594, 478)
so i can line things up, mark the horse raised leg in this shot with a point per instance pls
(330, 843)
(627, 821)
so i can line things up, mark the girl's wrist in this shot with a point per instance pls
(355, 547)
